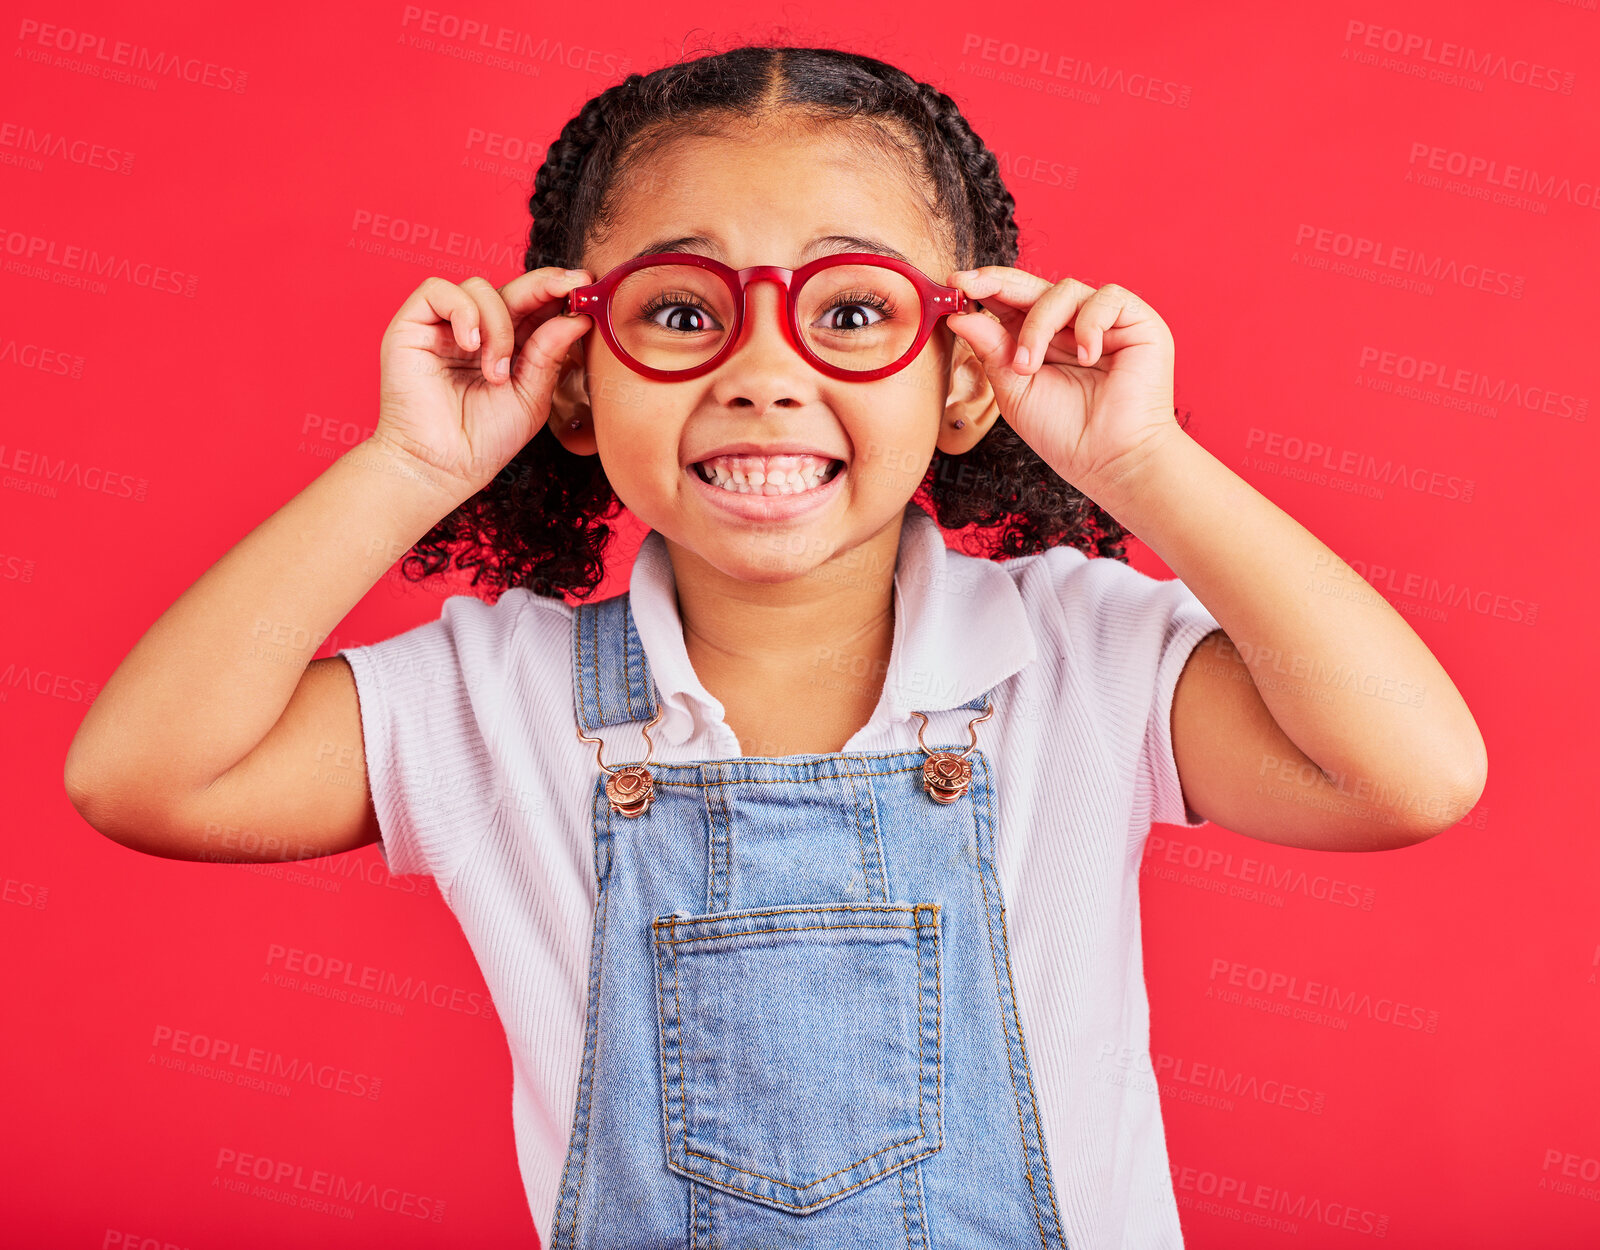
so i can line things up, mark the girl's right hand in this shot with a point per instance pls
(441, 398)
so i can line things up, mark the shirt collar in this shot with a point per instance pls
(960, 627)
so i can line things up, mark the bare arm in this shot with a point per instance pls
(217, 737)
(213, 739)
(1318, 720)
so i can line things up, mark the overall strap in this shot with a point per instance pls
(611, 682)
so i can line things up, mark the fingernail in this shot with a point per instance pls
(1022, 356)
(473, 338)
(1083, 354)
(502, 366)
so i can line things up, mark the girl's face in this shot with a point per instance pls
(773, 198)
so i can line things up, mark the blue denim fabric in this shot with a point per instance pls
(801, 1024)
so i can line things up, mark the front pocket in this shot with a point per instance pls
(800, 1047)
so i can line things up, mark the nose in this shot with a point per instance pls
(764, 367)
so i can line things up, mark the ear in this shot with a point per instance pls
(569, 403)
(971, 401)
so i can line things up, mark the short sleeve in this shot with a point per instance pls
(431, 709)
(1131, 635)
(1185, 621)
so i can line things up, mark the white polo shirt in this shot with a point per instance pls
(478, 778)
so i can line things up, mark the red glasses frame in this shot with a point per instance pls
(937, 301)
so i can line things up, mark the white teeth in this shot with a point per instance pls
(746, 476)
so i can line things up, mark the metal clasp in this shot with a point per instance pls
(630, 789)
(947, 774)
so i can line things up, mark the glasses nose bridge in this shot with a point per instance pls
(766, 273)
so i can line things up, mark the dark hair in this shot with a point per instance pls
(542, 522)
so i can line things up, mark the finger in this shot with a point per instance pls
(1010, 292)
(1110, 308)
(991, 343)
(495, 320)
(1045, 322)
(539, 362)
(533, 297)
(437, 301)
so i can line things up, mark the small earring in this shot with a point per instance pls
(574, 424)
(958, 424)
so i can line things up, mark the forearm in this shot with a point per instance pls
(1341, 672)
(213, 674)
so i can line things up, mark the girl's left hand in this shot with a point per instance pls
(1088, 416)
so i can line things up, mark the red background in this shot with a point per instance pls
(1201, 171)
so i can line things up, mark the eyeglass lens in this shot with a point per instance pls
(855, 317)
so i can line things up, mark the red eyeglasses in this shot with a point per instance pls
(673, 316)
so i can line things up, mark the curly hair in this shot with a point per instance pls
(542, 522)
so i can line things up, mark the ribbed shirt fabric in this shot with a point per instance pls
(478, 779)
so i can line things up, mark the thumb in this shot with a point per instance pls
(989, 342)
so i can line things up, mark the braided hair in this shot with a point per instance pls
(542, 522)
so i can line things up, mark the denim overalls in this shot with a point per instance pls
(801, 1025)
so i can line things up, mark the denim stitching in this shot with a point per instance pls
(922, 1210)
(855, 810)
(881, 851)
(627, 662)
(938, 1019)
(666, 1101)
(593, 662)
(809, 928)
(908, 908)
(591, 1041)
(677, 1021)
(1005, 1027)
(1033, 1098)
(777, 781)
(921, 1057)
(586, 1090)
(905, 1219)
(727, 849)
(731, 1187)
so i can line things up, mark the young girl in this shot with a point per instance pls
(805, 873)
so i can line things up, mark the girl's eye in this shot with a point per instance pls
(856, 307)
(684, 314)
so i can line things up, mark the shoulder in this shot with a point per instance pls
(1077, 602)
(480, 647)
(1100, 625)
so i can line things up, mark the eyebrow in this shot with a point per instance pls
(825, 243)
